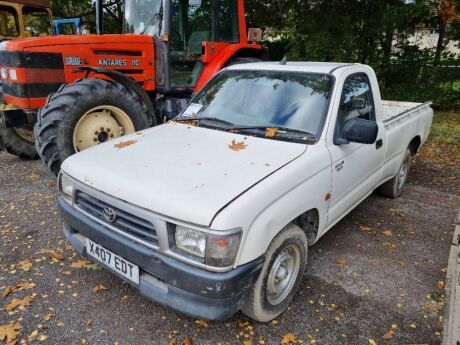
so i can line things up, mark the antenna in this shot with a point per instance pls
(283, 62)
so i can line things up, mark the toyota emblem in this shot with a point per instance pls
(109, 214)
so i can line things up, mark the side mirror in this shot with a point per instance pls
(360, 131)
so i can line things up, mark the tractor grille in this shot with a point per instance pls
(124, 221)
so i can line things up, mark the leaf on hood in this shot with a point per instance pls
(289, 339)
(122, 144)
(271, 132)
(9, 333)
(17, 302)
(99, 287)
(237, 146)
(79, 263)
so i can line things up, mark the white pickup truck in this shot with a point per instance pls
(214, 211)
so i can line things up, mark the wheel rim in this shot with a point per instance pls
(283, 274)
(26, 134)
(99, 125)
(402, 173)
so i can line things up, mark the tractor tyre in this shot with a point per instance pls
(84, 114)
(19, 142)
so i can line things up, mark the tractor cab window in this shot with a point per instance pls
(8, 21)
(37, 22)
(143, 17)
(194, 22)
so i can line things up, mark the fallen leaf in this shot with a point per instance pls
(372, 341)
(237, 146)
(202, 323)
(17, 302)
(413, 325)
(341, 261)
(365, 229)
(275, 322)
(99, 287)
(93, 267)
(33, 335)
(89, 323)
(24, 286)
(25, 265)
(440, 285)
(271, 132)
(10, 332)
(79, 263)
(388, 335)
(288, 339)
(388, 233)
(59, 323)
(247, 342)
(42, 337)
(122, 144)
(187, 341)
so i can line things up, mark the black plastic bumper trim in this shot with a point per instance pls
(188, 289)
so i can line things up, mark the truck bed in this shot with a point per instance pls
(394, 109)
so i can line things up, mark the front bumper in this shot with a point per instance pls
(190, 290)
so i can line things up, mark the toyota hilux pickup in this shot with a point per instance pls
(214, 211)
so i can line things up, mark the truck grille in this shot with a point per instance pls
(123, 221)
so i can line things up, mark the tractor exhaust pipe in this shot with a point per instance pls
(99, 17)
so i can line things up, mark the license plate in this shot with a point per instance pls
(120, 265)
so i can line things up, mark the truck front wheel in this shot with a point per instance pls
(280, 277)
(19, 142)
(83, 114)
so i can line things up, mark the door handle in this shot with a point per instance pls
(378, 144)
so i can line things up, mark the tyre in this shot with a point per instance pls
(19, 142)
(83, 114)
(241, 60)
(394, 187)
(280, 277)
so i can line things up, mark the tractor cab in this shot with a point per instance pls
(193, 33)
(25, 18)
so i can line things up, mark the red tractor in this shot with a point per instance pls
(79, 91)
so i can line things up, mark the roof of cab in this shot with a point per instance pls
(312, 67)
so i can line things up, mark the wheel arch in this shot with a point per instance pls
(415, 144)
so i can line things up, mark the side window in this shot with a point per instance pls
(356, 101)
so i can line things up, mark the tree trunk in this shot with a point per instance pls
(440, 46)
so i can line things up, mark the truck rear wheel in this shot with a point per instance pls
(19, 142)
(280, 277)
(394, 187)
(84, 114)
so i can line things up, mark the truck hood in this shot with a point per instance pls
(180, 171)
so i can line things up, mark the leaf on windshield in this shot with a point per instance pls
(270, 132)
(237, 146)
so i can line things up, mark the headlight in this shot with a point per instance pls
(191, 241)
(4, 73)
(214, 249)
(66, 187)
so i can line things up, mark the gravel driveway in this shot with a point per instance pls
(376, 277)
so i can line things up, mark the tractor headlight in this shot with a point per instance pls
(212, 249)
(66, 187)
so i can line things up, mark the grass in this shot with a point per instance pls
(444, 140)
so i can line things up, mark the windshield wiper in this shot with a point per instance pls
(264, 128)
(205, 118)
(157, 17)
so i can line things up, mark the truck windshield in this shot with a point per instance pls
(143, 17)
(37, 22)
(8, 21)
(256, 100)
